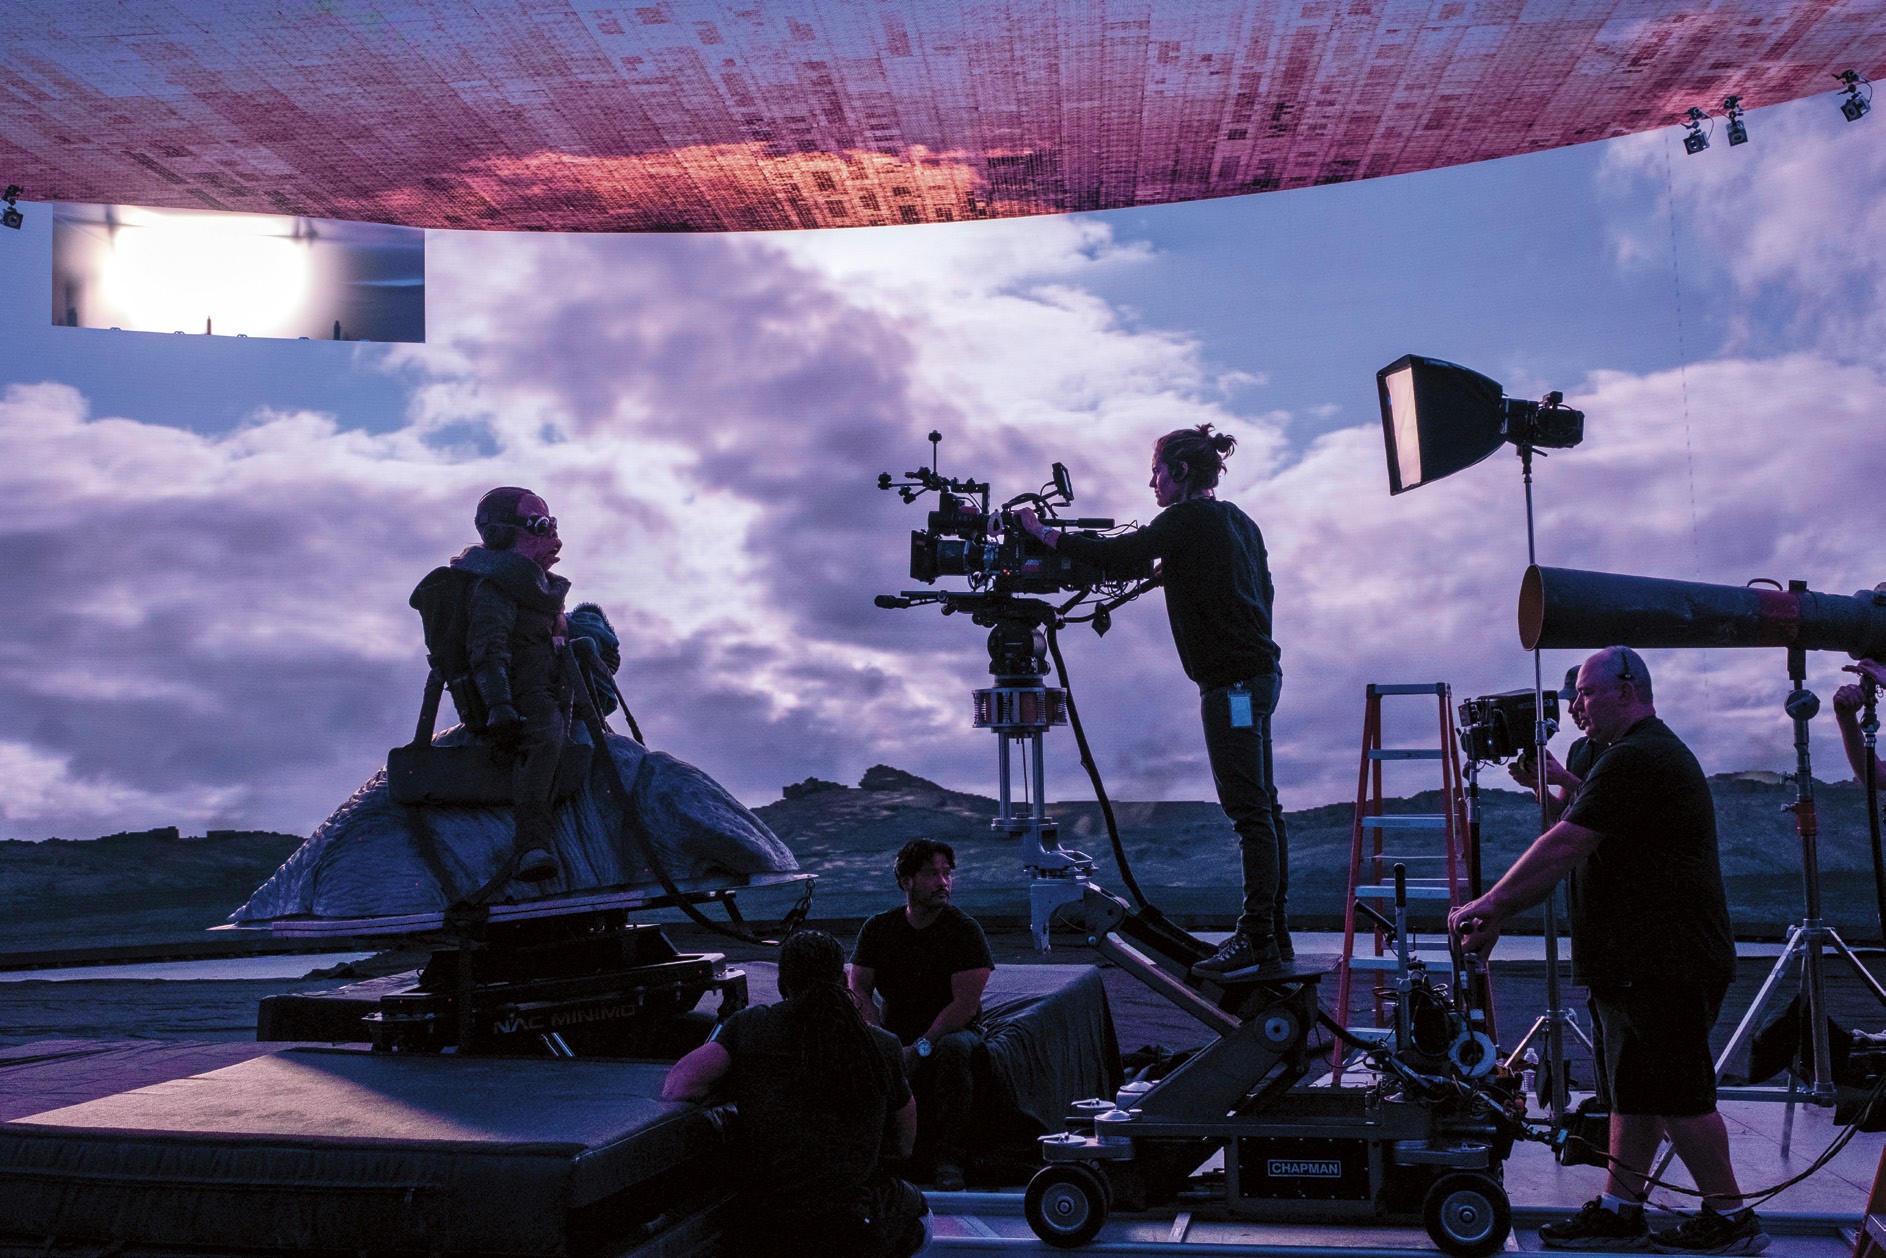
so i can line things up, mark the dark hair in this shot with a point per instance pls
(917, 853)
(809, 957)
(1194, 456)
(497, 518)
(835, 1055)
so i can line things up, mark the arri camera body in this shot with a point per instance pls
(1498, 727)
(964, 538)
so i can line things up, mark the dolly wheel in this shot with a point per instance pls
(1066, 1204)
(1467, 1214)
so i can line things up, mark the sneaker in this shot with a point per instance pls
(948, 1178)
(536, 865)
(1707, 1232)
(1596, 1228)
(1239, 958)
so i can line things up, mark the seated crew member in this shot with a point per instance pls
(1216, 574)
(1848, 700)
(516, 627)
(821, 1097)
(930, 961)
(1651, 940)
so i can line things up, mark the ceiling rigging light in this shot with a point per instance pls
(1738, 130)
(1695, 139)
(1855, 106)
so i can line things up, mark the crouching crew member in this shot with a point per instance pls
(821, 1098)
(930, 962)
(1216, 574)
(1651, 940)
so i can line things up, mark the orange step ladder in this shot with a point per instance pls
(1437, 843)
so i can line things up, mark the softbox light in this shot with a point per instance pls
(1437, 419)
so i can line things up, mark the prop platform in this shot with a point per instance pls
(334, 1150)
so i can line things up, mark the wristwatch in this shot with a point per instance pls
(922, 1046)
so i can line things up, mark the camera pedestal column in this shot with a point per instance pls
(1020, 709)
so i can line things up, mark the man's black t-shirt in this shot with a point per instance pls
(803, 1156)
(913, 967)
(1648, 903)
(1217, 580)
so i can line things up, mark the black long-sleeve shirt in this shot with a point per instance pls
(1217, 580)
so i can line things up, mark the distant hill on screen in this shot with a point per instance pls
(158, 885)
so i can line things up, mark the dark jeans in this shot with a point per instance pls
(534, 777)
(1241, 769)
(945, 1087)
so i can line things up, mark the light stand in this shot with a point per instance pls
(1556, 1019)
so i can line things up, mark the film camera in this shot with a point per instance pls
(964, 538)
(1499, 727)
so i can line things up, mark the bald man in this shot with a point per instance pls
(1651, 940)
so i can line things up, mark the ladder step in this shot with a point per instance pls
(1389, 858)
(1407, 821)
(1435, 962)
(1407, 753)
(1386, 892)
(1373, 1034)
(1408, 688)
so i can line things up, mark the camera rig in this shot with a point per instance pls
(1003, 566)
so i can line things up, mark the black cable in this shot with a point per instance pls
(1827, 1155)
(1093, 775)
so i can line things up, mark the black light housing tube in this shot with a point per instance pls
(1565, 607)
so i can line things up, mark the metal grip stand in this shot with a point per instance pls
(1556, 1019)
(1811, 935)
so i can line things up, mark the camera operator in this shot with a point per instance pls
(1651, 940)
(1848, 700)
(1216, 576)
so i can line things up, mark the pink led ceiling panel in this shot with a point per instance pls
(772, 114)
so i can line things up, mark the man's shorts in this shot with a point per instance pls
(1653, 1045)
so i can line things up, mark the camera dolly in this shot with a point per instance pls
(1420, 1135)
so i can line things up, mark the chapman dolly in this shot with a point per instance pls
(1421, 1134)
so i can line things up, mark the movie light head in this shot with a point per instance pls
(11, 216)
(1855, 104)
(1439, 418)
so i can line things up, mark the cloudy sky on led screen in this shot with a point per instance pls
(210, 544)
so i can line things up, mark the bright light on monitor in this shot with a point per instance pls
(144, 270)
(235, 274)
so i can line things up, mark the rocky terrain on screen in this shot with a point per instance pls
(158, 884)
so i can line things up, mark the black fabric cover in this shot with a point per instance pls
(1051, 1042)
(320, 1150)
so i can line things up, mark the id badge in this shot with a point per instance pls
(1240, 700)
